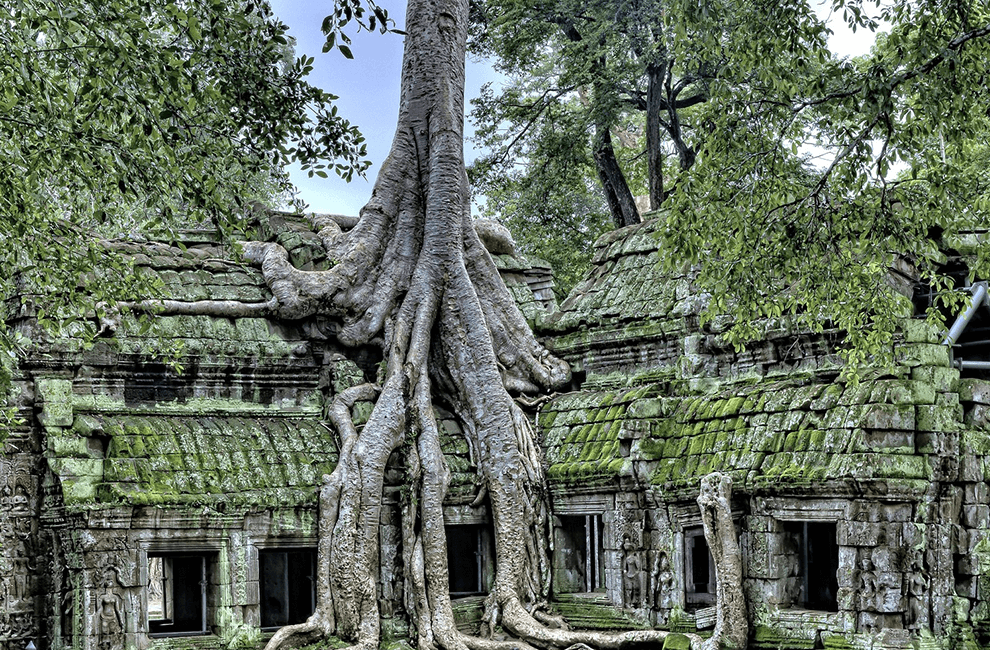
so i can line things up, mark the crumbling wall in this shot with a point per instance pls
(23, 552)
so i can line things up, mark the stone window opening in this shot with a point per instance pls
(576, 569)
(812, 552)
(287, 586)
(469, 560)
(177, 585)
(699, 570)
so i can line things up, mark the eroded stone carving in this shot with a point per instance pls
(918, 585)
(633, 575)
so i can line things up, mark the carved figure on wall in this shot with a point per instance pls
(918, 589)
(663, 579)
(19, 501)
(110, 609)
(69, 603)
(633, 575)
(110, 619)
(22, 570)
(867, 585)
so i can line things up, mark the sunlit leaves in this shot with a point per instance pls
(892, 143)
(365, 14)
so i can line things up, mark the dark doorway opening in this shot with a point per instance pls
(469, 560)
(176, 594)
(699, 569)
(576, 569)
(288, 586)
(817, 561)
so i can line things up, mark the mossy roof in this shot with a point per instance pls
(624, 284)
(581, 435)
(248, 460)
(160, 460)
(197, 266)
(772, 432)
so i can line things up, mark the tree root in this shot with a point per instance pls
(731, 624)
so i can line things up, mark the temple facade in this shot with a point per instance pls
(150, 506)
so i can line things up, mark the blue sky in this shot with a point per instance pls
(368, 87)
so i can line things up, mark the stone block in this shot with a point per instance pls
(913, 534)
(869, 622)
(967, 566)
(846, 598)
(890, 600)
(975, 493)
(974, 390)
(252, 616)
(759, 565)
(938, 418)
(858, 533)
(971, 468)
(918, 330)
(947, 399)
(889, 416)
(976, 516)
(924, 354)
(67, 446)
(846, 575)
(961, 539)
(941, 379)
(252, 593)
(977, 416)
(886, 439)
(756, 590)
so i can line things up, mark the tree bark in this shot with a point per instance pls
(731, 623)
(655, 74)
(620, 199)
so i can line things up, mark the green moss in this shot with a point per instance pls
(676, 642)
(587, 613)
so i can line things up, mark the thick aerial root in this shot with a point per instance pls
(224, 308)
(521, 624)
(302, 634)
(731, 626)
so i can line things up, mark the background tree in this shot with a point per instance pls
(888, 147)
(554, 209)
(618, 88)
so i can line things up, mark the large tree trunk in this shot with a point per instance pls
(620, 200)
(731, 623)
(655, 75)
(413, 277)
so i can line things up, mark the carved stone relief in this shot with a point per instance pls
(918, 584)
(633, 575)
(110, 608)
(663, 581)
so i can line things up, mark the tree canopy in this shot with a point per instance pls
(794, 179)
(619, 93)
(863, 163)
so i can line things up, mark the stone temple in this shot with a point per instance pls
(150, 509)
